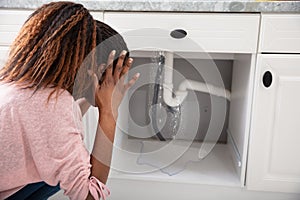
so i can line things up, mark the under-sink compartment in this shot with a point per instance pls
(209, 146)
(195, 108)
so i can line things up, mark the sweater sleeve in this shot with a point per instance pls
(59, 153)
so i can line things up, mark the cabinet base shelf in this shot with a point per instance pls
(216, 169)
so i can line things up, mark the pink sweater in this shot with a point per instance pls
(42, 141)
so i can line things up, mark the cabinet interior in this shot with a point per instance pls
(226, 163)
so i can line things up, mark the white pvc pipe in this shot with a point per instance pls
(204, 87)
(181, 94)
(169, 58)
(168, 83)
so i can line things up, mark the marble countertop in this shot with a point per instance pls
(170, 5)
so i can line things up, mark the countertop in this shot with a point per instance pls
(170, 5)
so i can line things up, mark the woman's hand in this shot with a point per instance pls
(109, 94)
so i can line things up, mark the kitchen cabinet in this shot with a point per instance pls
(273, 162)
(225, 42)
(261, 152)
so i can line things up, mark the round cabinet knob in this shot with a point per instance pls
(267, 79)
(178, 33)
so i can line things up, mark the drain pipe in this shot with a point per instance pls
(176, 98)
(204, 87)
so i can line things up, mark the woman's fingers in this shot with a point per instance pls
(94, 78)
(100, 72)
(109, 70)
(101, 69)
(132, 81)
(121, 70)
(95, 81)
(126, 67)
(119, 66)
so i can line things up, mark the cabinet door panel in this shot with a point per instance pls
(274, 153)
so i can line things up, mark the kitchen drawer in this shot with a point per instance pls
(228, 33)
(280, 33)
(11, 22)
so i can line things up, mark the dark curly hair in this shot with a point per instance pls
(52, 46)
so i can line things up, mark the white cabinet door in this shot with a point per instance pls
(274, 149)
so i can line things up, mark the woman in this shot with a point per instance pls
(41, 133)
